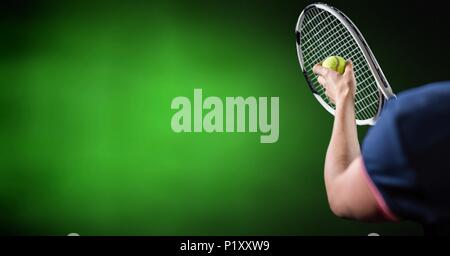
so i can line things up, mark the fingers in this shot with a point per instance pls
(319, 70)
(349, 68)
(321, 81)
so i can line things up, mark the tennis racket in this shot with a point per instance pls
(324, 31)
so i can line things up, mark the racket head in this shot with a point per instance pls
(324, 31)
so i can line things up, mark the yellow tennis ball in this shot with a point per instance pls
(336, 63)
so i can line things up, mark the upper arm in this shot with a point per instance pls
(352, 195)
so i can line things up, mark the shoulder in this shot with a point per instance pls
(435, 95)
(427, 90)
(420, 111)
(403, 153)
(409, 123)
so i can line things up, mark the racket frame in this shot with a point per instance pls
(385, 91)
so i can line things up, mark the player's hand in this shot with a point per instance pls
(338, 88)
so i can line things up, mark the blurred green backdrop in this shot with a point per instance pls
(86, 142)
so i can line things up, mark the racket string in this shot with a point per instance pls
(364, 96)
(337, 40)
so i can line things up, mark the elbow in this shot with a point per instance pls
(337, 206)
(343, 208)
(336, 198)
(349, 195)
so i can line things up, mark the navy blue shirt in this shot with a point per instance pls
(407, 156)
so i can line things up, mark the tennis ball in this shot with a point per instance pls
(336, 63)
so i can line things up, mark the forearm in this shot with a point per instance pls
(344, 145)
(349, 195)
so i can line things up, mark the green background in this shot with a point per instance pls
(86, 142)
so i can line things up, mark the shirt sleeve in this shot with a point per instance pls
(390, 177)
